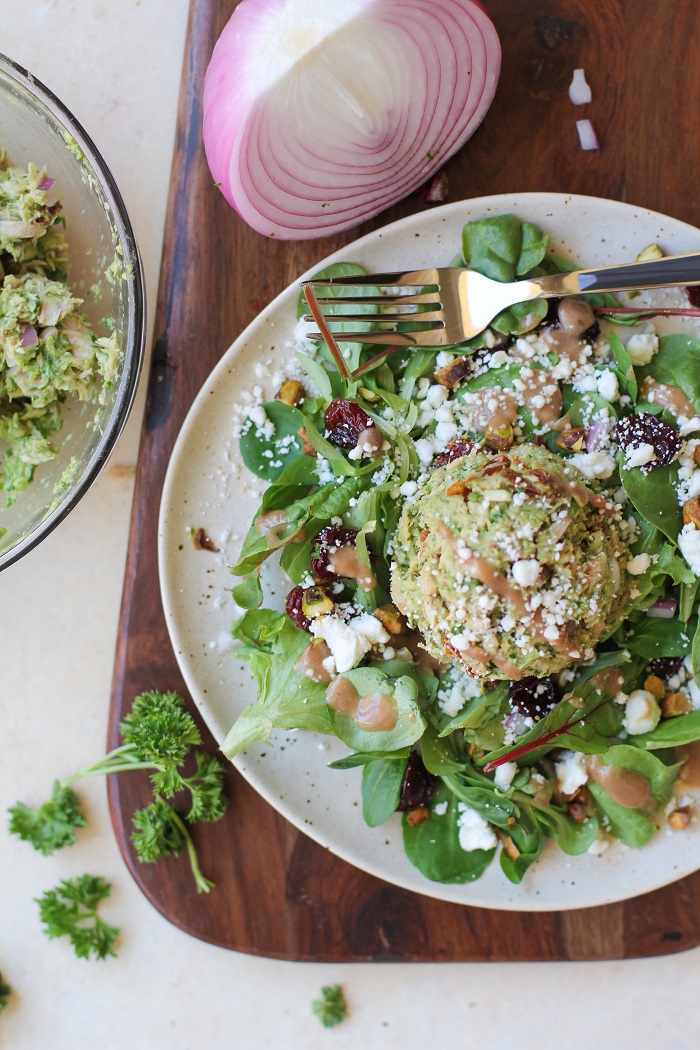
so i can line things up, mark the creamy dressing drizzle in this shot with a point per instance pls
(373, 713)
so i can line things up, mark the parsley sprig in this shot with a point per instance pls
(5, 992)
(158, 734)
(331, 1009)
(70, 910)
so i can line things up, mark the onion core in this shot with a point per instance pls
(318, 116)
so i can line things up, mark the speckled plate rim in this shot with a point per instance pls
(556, 882)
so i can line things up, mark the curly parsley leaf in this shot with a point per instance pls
(331, 1009)
(5, 992)
(162, 732)
(160, 831)
(206, 786)
(71, 910)
(53, 825)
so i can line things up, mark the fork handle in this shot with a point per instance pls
(654, 273)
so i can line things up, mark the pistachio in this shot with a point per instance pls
(679, 819)
(306, 447)
(453, 373)
(291, 392)
(691, 512)
(315, 602)
(573, 439)
(391, 619)
(499, 438)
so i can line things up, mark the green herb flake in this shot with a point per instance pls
(331, 1009)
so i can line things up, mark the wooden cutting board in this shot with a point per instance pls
(279, 893)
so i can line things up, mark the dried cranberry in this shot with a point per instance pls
(643, 429)
(455, 450)
(534, 697)
(328, 541)
(418, 784)
(665, 667)
(591, 333)
(693, 293)
(294, 610)
(345, 421)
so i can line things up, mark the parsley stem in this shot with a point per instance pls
(203, 884)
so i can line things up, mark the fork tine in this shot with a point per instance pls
(386, 318)
(428, 337)
(401, 300)
(401, 277)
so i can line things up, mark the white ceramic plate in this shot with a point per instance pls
(208, 487)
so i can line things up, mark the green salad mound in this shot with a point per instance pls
(494, 555)
(48, 350)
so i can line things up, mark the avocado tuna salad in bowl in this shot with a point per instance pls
(72, 312)
(471, 574)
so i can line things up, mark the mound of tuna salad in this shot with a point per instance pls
(511, 563)
(48, 350)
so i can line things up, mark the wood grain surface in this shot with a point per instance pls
(279, 893)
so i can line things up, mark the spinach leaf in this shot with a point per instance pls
(526, 843)
(248, 593)
(409, 724)
(481, 718)
(502, 247)
(661, 777)
(631, 826)
(671, 732)
(381, 789)
(624, 370)
(433, 846)
(286, 698)
(266, 456)
(653, 496)
(655, 637)
(677, 363)
(361, 758)
(439, 756)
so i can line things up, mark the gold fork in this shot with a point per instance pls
(459, 302)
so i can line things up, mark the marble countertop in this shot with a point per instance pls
(117, 67)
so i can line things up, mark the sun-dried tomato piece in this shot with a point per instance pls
(328, 541)
(645, 429)
(534, 697)
(345, 421)
(418, 784)
(294, 609)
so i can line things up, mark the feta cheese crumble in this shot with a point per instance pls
(571, 772)
(642, 713)
(474, 831)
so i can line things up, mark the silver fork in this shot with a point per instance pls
(461, 302)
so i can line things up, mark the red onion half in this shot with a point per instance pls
(318, 115)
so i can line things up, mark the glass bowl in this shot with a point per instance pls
(35, 126)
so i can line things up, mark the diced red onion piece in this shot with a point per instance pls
(595, 435)
(579, 91)
(319, 115)
(438, 189)
(29, 336)
(47, 184)
(517, 723)
(664, 609)
(586, 135)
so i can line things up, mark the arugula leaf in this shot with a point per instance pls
(70, 910)
(381, 789)
(53, 825)
(286, 698)
(331, 1009)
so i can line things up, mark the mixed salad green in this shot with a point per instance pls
(494, 556)
(48, 349)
